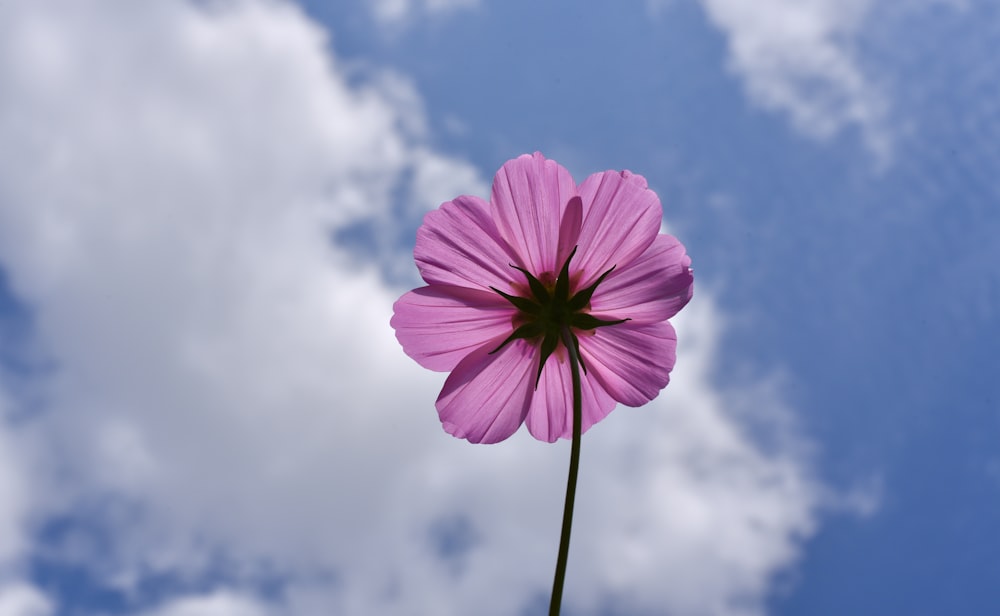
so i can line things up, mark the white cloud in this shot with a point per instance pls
(219, 603)
(13, 493)
(695, 505)
(394, 13)
(17, 596)
(23, 600)
(227, 391)
(798, 57)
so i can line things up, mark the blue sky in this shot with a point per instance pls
(207, 210)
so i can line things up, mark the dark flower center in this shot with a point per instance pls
(550, 312)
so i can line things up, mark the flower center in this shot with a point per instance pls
(549, 310)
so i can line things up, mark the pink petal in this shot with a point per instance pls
(597, 402)
(529, 196)
(651, 288)
(621, 217)
(439, 325)
(486, 397)
(631, 361)
(569, 229)
(459, 244)
(551, 414)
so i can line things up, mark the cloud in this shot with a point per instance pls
(220, 603)
(228, 407)
(23, 600)
(394, 13)
(798, 57)
(13, 493)
(17, 597)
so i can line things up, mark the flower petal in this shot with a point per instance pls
(631, 361)
(651, 288)
(621, 217)
(439, 325)
(551, 414)
(487, 396)
(458, 244)
(597, 402)
(569, 229)
(529, 197)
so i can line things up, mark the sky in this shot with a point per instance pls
(208, 208)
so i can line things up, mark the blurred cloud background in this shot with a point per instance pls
(207, 209)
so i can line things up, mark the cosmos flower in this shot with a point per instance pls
(546, 261)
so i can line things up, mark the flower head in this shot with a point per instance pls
(545, 261)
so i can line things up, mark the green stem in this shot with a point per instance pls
(574, 468)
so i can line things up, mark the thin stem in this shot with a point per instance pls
(574, 468)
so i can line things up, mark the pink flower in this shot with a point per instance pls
(506, 278)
